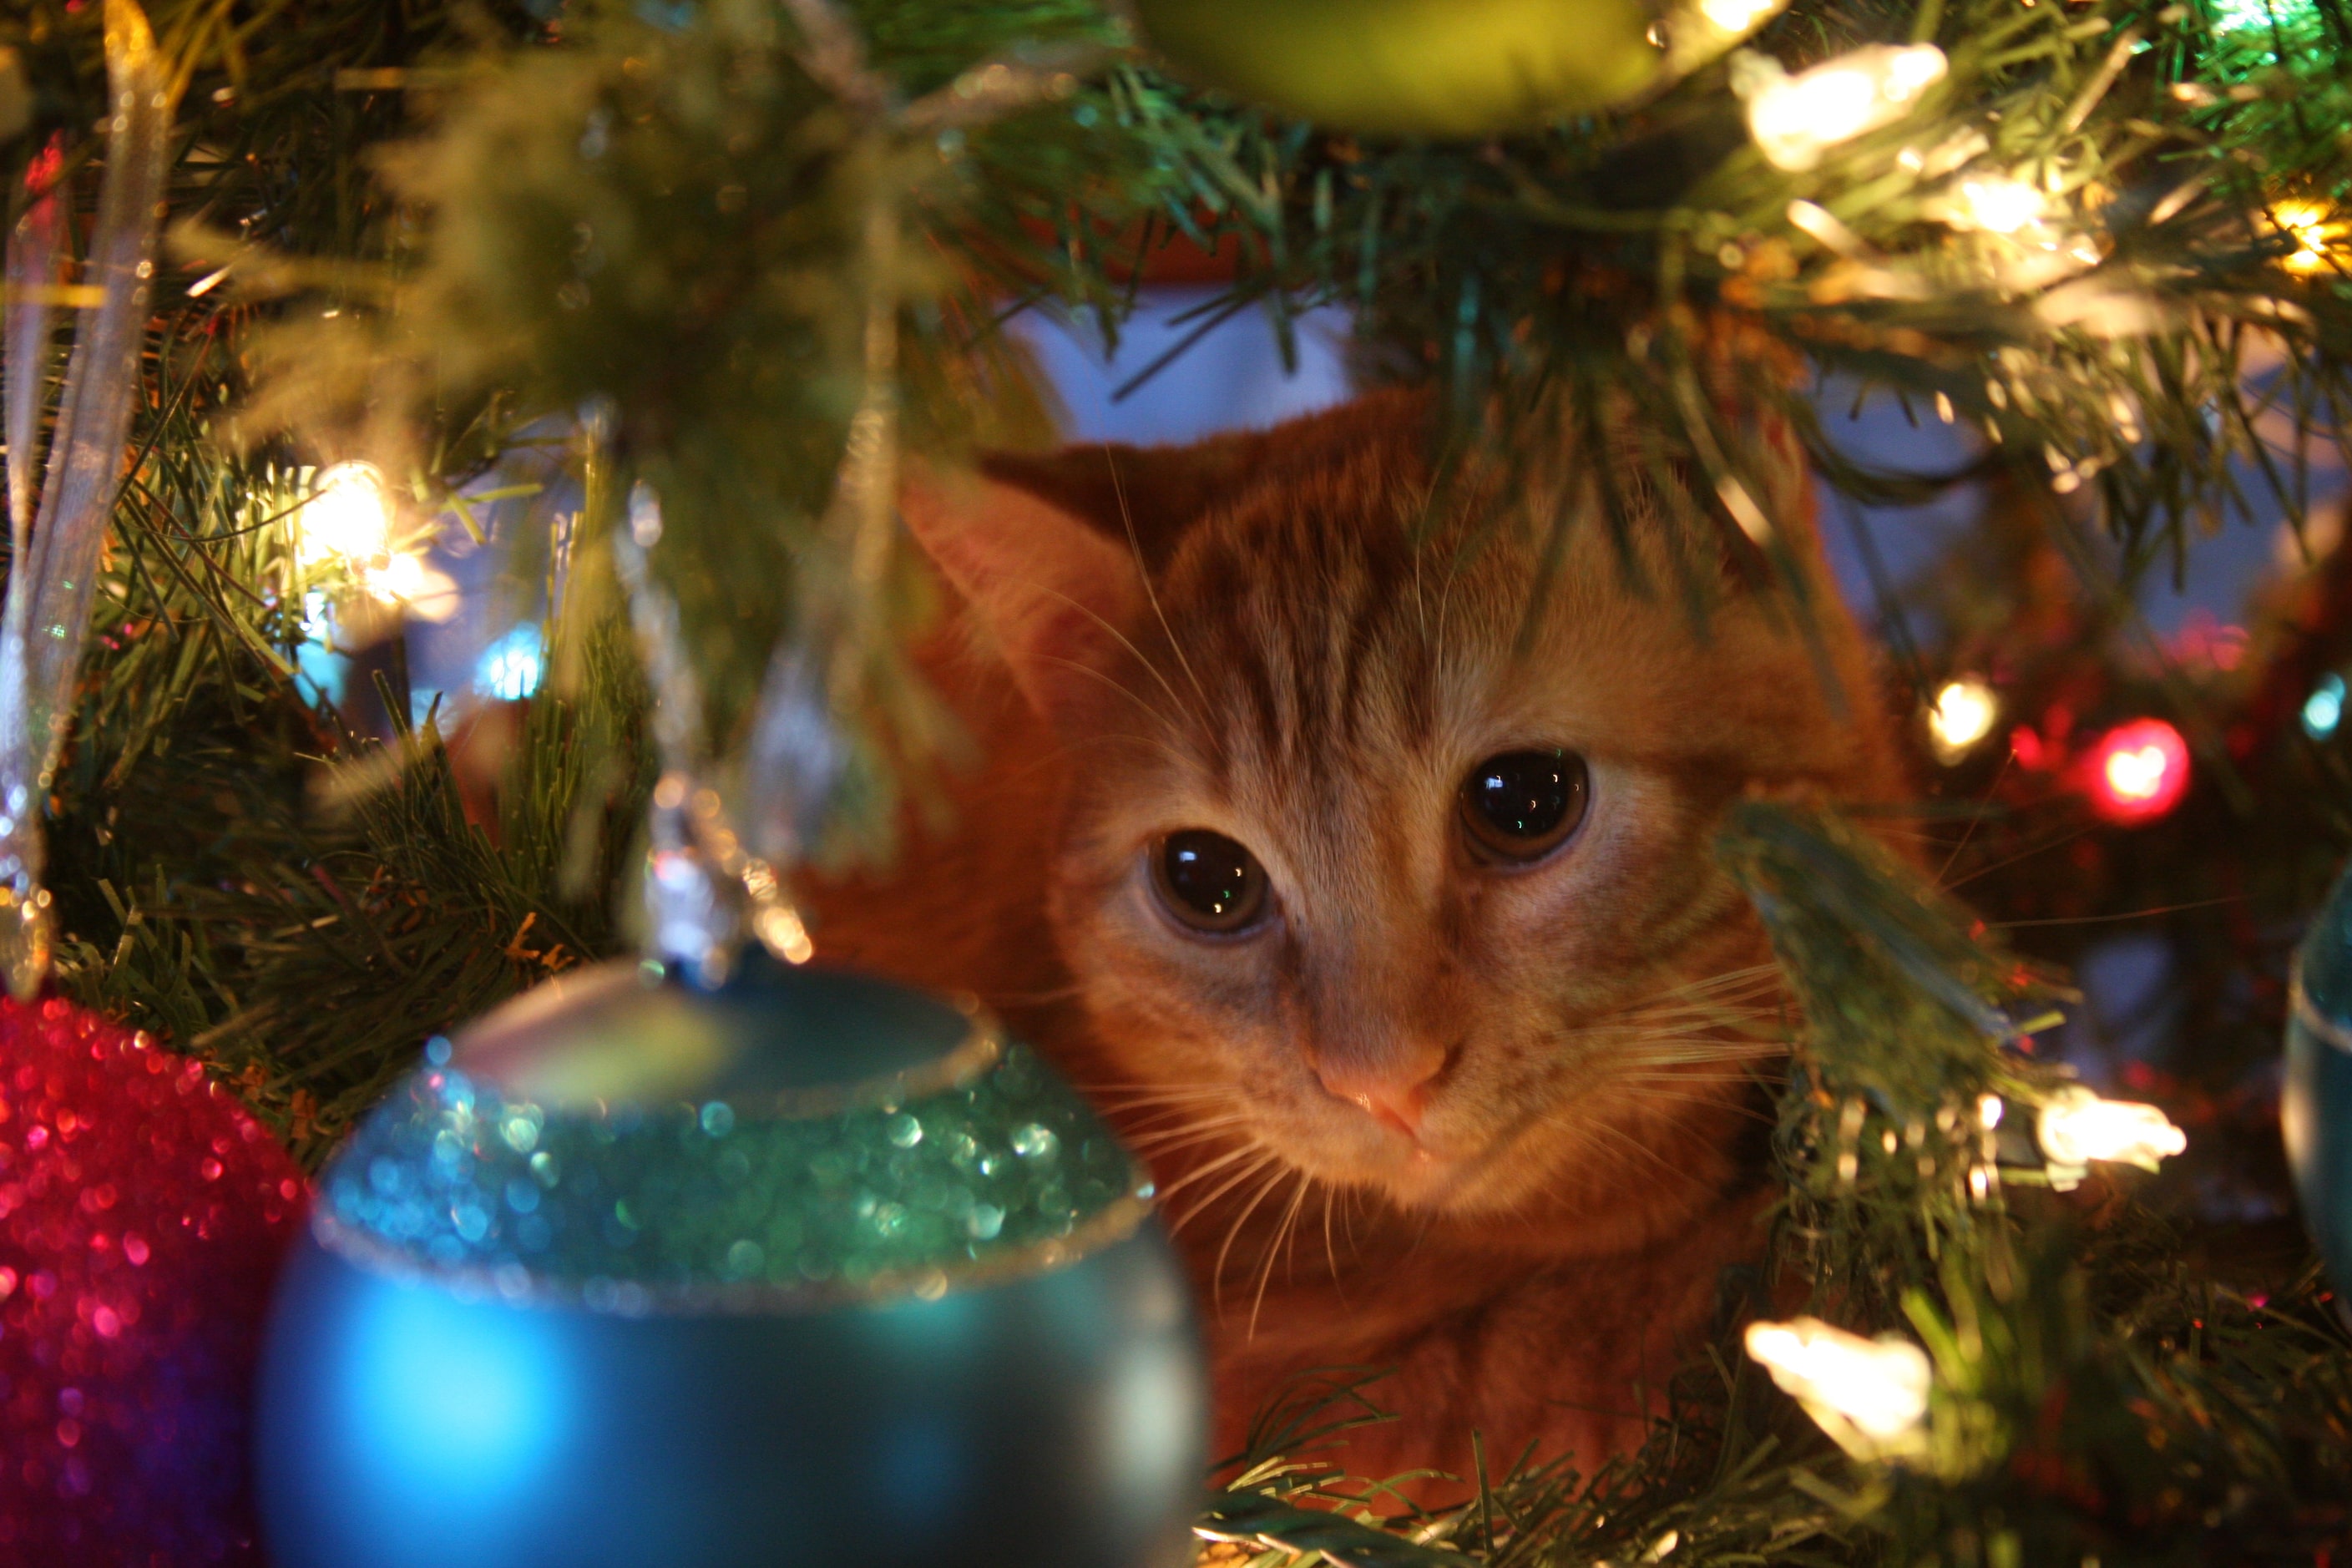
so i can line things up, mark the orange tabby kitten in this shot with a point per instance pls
(1382, 919)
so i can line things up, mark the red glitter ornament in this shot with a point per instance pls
(142, 1214)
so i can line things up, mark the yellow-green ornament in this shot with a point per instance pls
(1428, 67)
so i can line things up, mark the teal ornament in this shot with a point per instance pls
(803, 1268)
(2315, 1111)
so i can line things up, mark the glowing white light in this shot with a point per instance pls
(1795, 119)
(347, 517)
(1998, 205)
(510, 668)
(404, 579)
(2078, 1127)
(1738, 17)
(1869, 1395)
(1989, 1109)
(1963, 713)
(2323, 710)
(2137, 775)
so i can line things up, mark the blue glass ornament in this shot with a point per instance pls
(803, 1268)
(2315, 1111)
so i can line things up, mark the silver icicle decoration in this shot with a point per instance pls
(702, 886)
(55, 556)
(705, 881)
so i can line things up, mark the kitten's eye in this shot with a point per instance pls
(1208, 882)
(1521, 806)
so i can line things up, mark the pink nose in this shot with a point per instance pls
(1396, 1099)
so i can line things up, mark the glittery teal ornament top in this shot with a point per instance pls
(795, 1137)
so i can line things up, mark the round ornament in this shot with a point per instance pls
(804, 1267)
(142, 1214)
(1440, 68)
(2316, 1107)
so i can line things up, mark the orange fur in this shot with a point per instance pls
(1282, 645)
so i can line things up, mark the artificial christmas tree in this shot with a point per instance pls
(519, 258)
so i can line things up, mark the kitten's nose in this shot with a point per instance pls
(1394, 1094)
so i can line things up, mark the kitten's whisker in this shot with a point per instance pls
(1196, 1114)
(1714, 1012)
(1281, 1235)
(1034, 998)
(1265, 1157)
(1136, 1126)
(1124, 641)
(1153, 1096)
(1151, 1115)
(1134, 544)
(1747, 974)
(1621, 1136)
(1732, 991)
(1200, 1172)
(1684, 1081)
(1081, 667)
(1720, 1014)
(1331, 1254)
(1696, 1038)
(1976, 820)
(1729, 1107)
(1185, 1132)
(1217, 1274)
(2054, 841)
(1169, 1140)
(1128, 737)
(1662, 1052)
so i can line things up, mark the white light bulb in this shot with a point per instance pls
(1964, 713)
(1869, 1395)
(406, 580)
(1738, 17)
(1998, 205)
(2078, 1127)
(1795, 119)
(347, 517)
(2137, 775)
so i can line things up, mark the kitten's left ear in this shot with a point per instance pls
(1053, 593)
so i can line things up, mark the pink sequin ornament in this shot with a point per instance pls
(142, 1214)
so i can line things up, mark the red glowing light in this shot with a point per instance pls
(2137, 772)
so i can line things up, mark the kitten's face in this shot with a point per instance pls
(1354, 873)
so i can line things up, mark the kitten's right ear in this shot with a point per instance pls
(1053, 593)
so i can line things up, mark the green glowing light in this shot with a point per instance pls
(2292, 17)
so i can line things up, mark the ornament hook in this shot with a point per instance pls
(702, 886)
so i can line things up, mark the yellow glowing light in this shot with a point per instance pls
(1965, 711)
(1795, 119)
(347, 517)
(2321, 240)
(1869, 1395)
(2078, 1127)
(1999, 205)
(779, 927)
